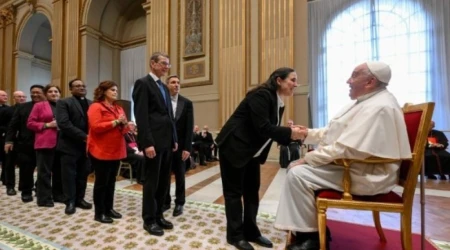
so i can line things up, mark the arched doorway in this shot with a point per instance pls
(113, 43)
(34, 53)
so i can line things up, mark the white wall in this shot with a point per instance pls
(32, 71)
(106, 63)
(92, 65)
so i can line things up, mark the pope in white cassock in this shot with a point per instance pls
(372, 126)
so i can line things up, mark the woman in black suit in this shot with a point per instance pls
(244, 143)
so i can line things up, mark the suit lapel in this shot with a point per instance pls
(78, 105)
(180, 106)
(155, 88)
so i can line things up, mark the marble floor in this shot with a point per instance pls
(204, 184)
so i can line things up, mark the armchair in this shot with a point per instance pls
(417, 118)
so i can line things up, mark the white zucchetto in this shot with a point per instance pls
(380, 70)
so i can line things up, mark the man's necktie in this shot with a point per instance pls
(161, 88)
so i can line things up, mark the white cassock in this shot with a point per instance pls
(373, 126)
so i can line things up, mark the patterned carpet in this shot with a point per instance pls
(202, 226)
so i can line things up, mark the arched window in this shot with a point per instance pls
(389, 31)
(409, 35)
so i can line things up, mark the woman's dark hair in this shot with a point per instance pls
(271, 83)
(49, 86)
(99, 92)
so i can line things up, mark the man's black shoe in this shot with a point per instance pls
(241, 245)
(27, 198)
(178, 210)
(46, 204)
(164, 223)
(70, 208)
(103, 219)
(262, 241)
(11, 191)
(84, 204)
(114, 214)
(154, 229)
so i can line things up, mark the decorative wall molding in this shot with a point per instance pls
(38, 62)
(98, 35)
(195, 69)
(8, 14)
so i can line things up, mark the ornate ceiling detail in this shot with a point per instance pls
(8, 14)
(32, 5)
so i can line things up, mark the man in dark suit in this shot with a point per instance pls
(21, 139)
(10, 160)
(437, 158)
(199, 146)
(244, 143)
(71, 117)
(184, 121)
(157, 138)
(3, 126)
(209, 144)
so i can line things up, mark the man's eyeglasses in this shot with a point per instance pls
(79, 86)
(165, 64)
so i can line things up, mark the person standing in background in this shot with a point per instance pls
(71, 117)
(20, 138)
(106, 147)
(9, 165)
(157, 138)
(42, 122)
(183, 111)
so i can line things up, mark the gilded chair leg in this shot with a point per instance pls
(322, 221)
(289, 239)
(377, 221)
(406, 231)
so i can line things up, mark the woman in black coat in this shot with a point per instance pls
(244, 143)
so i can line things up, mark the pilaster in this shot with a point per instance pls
(7, 36)
(158, 26)
(58, 38)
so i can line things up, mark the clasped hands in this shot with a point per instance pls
(298, 132)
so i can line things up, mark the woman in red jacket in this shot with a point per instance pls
(42, 121)
(106, 147)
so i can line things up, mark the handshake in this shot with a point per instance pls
(298, 132)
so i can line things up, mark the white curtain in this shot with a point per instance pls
(132, 67)
(410, 35)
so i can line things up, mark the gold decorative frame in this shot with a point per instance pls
(187, 64)
(189, 15)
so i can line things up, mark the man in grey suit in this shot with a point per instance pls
(184, 122)
(157, 138)
(71, 117)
